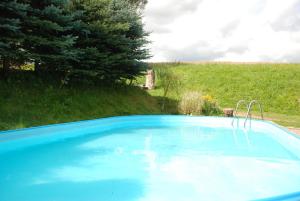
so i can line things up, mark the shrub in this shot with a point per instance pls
(210, 106)
(168, 81)
(193, 103)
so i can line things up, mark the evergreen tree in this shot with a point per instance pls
(129, 42)
(49, 39)
(138, 3)
(11, 37)
(111, 40)
(94, 39)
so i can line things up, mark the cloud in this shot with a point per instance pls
(229, 30)
(288, 20)
(196, 52)
(238, 49)
(164, 12)
(293, 57)
(157, 29)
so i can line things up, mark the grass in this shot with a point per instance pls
(32, 102)
(276, 86)
(283, 119)
(27, 101)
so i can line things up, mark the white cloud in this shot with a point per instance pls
(227, 30)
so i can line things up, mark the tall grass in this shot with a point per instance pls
(31, 102)
(277, 86)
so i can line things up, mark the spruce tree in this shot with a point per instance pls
(94, 39)
(49, 39)
(12, 13)
(130, 41)
(111, 40)
(138, 3)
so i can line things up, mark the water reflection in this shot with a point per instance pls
(177, 163)
(102, 190)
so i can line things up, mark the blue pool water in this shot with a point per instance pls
(150, 158)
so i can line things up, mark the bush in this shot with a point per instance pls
(210, 106)
(168, 81)
(193, 103)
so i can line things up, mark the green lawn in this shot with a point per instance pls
(276, 86)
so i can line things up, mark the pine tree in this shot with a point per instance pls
(111, 40)
(48, 34)
(11, 37)
(138, 3)
(94, 39)
(130, 42)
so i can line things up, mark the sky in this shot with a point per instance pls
(224, 30)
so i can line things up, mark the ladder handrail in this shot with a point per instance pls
(236, 109)
(249, 111)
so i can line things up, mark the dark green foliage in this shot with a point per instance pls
(111, 39)
(79, 39)
(11, 15)
(138, 3)
(48, 34)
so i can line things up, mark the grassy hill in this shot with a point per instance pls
(276, 86)
(32, 102)
(29, 101)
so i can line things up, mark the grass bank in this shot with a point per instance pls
(276, 86)
(29, 101)
(26, 100)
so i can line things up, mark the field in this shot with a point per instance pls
(29, 101)
(276, 86)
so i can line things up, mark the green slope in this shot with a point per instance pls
(27, 101)
(276, 86)
(33, 102)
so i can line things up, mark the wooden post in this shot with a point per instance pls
(150, 79)
(228, 112)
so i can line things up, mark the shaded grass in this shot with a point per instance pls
(32, 102)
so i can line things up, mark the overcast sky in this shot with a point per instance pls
(224, 30)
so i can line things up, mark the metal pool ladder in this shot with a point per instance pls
(249, 107)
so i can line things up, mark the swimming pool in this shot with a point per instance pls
(157, 158)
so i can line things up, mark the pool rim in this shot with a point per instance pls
(285, 129)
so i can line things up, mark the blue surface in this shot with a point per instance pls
(157, 158)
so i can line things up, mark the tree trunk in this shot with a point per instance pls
(5, 67)
(150, 79)
(37, 66)
(166, 89)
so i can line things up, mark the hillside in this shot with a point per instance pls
(26, 100)
(32, 102)
(276, 86)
